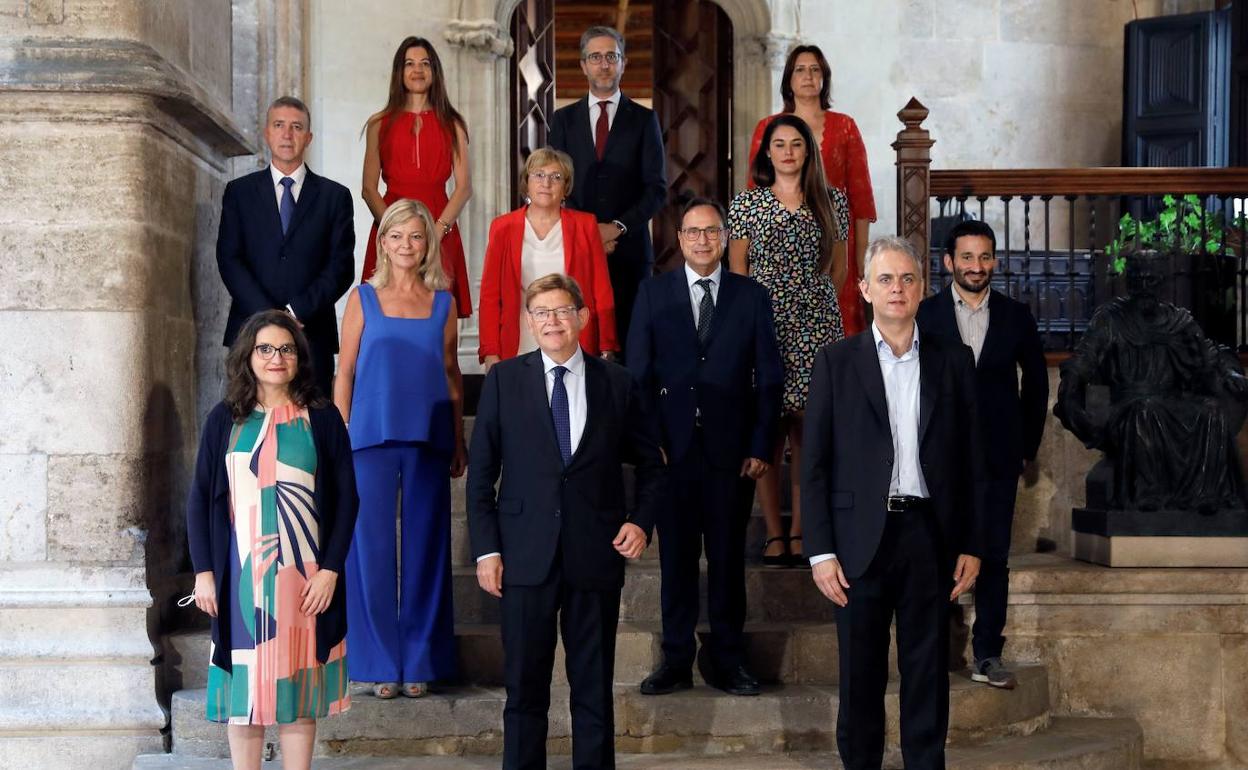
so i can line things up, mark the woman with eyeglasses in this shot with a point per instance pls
(788, 233)
(537, 239)
(415, 145)
(806, 87)
(270, 517)
(399, 388)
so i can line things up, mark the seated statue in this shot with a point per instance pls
(1175, 402)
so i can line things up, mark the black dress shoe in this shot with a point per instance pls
(666, 679)
(738, 682)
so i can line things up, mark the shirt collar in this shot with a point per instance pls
(881, 345)
(613, 98)
(298, 174)
(958, 300)
(693, 277)
(575, 364)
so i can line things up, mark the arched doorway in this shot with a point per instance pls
(680, 63)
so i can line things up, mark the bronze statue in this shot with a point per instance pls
(1176, 403)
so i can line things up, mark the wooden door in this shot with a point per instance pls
(693, 99)
(532, 83)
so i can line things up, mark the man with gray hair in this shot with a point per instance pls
(619, 166)
(890, 495)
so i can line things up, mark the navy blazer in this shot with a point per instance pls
(541, 505)
(308, 268)
(629, 184)
(208, 525)
(736, 380)
(847, 453)
(1013, 433)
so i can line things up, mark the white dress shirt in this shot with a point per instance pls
(901, 392)
(298, 175)
(594, 110)
(695, 291)
(574, 383)
(972, 321)
(538, 257)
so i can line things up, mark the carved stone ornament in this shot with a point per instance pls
(483, 37)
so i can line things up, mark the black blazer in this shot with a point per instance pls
(208, 520)
(736, 380)
(630, 184)
(308, 268)
(847, 454)
(1015, 418)
(540, 504)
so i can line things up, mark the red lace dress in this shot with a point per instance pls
(417, 166)
(845, 166)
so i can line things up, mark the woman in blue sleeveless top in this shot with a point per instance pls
(399, 389)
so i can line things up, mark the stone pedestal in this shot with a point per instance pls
(1161, 538)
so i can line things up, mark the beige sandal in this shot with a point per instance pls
(415, 689)
(386, 690)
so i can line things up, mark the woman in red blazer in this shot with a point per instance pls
(540, 238)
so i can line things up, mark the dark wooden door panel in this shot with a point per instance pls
(532, 83)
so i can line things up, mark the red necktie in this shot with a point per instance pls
(600, 130)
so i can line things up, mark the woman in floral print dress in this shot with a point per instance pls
(788, 233)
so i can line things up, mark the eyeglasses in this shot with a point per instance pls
(267, 351)
(692, 234)
(554, 177)
(543, 314)
(611, 57)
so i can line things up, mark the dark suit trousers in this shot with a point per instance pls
(992, 587)
(907, 578)
(627, 271)
(323, 367)
(587, 620)
(711, 508)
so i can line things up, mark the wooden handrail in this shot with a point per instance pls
(954, 183)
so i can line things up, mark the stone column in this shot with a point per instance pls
(116, 131)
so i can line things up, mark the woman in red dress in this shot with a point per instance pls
(804, 86)
(415, 145)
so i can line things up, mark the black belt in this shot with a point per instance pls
(903, 503)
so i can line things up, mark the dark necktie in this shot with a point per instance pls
(706, 311)
(559, 411)
(601, 128)
(287, 210)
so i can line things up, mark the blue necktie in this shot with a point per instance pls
(287, 210)
(559, 411)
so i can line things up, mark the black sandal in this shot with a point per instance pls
(797, 560)
(779, 560)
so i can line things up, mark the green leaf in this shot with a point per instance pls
(1168, 200)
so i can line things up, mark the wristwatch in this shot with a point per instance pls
(619, 224)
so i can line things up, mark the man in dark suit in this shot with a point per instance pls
(619, 166)
(556, 424)
(1001, 333)
(286, 239)
(889, 492)
(703, 347)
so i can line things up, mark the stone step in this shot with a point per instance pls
(468, 720)
(1068, 743)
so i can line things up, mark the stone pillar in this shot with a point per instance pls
(116, 130)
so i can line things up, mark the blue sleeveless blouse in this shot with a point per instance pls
(400, 391)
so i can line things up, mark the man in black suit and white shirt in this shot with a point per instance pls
(556, 425)
(287, 239)
(619, 166)
(1001, 333)
(890, 479)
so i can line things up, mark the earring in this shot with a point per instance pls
(527, 200)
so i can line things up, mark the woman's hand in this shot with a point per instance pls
(319, 592)
(206, 593)
(459, 463)
(489, 361)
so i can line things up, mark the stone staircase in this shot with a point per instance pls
(792, 647)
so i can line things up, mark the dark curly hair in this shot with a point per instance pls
(240, 387)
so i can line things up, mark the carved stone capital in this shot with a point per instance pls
(773, 49)
(483, 37)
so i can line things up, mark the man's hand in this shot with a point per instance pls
(754, 468)
(964, 575)
(489, 361)
(459, 462)
(608, 232)
(630, 541)
(206, 593)
(319, 592)
(490, 576)
(831, 581)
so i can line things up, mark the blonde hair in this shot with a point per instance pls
(544, 156)
(430, 269)
(555, 282)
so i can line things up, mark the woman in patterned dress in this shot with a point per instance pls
(269, 521)
(788, 233)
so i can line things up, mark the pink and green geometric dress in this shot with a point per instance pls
(276, 678)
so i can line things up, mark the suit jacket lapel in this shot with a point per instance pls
(580, 117)
(267, 203)
(998, 308)
(930, 366)
(307, 200)
(622, 122)
(727, 295)
(684, 309)
(597, 402)
(867, 362)
(536, 399)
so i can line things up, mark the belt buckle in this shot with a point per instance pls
(895, 504)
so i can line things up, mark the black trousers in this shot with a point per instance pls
(531, 617)
(323, 369)
(907, 578)
(627, 271)
(992, 587)
(711, 508)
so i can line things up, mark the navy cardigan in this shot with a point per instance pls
(208, 520)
